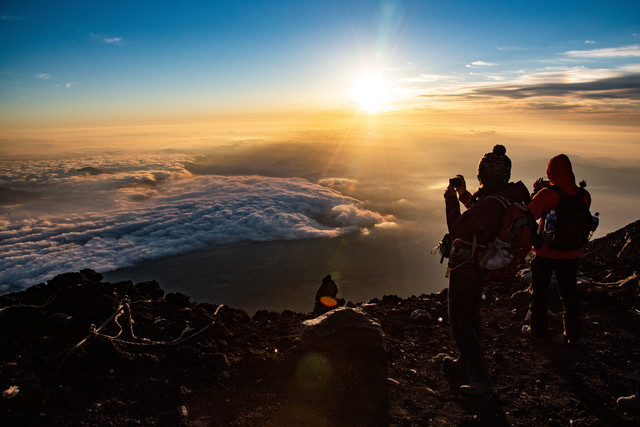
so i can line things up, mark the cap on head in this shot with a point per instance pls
(495, 166)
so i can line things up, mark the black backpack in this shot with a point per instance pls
(574, 221)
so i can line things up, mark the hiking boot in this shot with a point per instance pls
(528, 332)
(476, 389)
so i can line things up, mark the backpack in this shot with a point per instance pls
(574, 221)
(508, 250)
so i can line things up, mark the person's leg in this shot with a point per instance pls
(479, 373)
(541, 271)
(566, 271)
(465, 294)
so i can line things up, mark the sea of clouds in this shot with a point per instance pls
(106, 212)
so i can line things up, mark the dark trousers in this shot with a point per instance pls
(566, 271)
(465, 294)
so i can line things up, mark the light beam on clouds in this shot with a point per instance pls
(184, 214)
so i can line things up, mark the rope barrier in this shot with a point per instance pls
(85, 339)
(49, 301)
(125, 306)
(148, 342)
(619, 283)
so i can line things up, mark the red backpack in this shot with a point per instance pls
(506, 253)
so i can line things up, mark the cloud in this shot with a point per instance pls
(113, 40)
(344, 185)
(589, 42)
(613, 52)
(108, 40)
(425, 78)
(147, 213)
(480, 64)
(10, 18)
(620, 87)
(489, 76)
(42, 76)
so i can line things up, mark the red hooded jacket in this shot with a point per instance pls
(560, 173)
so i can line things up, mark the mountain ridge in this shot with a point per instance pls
(82, 352)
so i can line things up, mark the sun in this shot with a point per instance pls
(371, 93)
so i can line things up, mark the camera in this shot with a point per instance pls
(455, 182)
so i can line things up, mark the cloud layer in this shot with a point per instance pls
(621, 87)
(176, 214)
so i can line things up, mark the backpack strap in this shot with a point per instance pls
(503, 200)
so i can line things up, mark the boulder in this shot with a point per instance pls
(350, 327)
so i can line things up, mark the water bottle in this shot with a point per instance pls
(550, 225)
(594, 224)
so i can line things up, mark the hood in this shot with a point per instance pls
(560, 172)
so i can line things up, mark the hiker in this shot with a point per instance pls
(469, 231)
(326, 296)
(549, 259)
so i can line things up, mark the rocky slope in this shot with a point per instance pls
(78, 351)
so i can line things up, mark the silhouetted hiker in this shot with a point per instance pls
(326, 296)
(469, 230)
(555, 255)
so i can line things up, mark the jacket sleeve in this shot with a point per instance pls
(452, 209)
(544, 200)
(465, 199)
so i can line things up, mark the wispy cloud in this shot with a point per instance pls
(620, 87)
(108, 40)
(44, 76)
(67, 84)
(113, 40)
(480, 64)
(613, 52)
(589, 42)
(425, 78)
(10, 18)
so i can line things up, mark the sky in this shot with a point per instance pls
(142, 135)
(79, 63)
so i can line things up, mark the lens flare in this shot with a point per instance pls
(328, 301)
(314, 371)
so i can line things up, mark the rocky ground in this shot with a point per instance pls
(78, 351)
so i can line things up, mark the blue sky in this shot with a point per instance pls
(99, 59)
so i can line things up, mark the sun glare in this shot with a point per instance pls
(371, 93)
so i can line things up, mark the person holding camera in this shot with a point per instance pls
(469, 231)
(556, 256)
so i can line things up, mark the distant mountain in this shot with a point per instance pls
(9, 196)
(89, 170)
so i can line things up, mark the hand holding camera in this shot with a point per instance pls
(540, 184)
(459, 184)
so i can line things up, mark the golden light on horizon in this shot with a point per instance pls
(372, 93)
